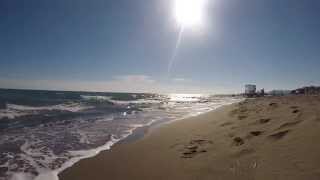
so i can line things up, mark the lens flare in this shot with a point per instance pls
(189, 13)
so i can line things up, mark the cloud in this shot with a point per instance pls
(181, 80)
(135, 79)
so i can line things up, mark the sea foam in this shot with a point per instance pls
(47, 149)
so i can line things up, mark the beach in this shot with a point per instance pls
(263, 138)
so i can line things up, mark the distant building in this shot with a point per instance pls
(262, 93)
(307, 90)
(250, 89)
(279, 92)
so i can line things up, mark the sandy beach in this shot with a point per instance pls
(266, 138)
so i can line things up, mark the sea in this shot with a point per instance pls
(44, 132)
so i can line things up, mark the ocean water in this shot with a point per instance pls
(44, 132)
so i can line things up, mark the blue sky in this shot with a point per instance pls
(126, 45)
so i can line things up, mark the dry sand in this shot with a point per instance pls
(271, 138)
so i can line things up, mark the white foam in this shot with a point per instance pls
(85, 97)
(185, 97)
(140, 101)
(11, 114)
(45, 174)
(50, 175)
(79, 155)
(12, 111)
(72, 107)
(21, 176)
(119, 102)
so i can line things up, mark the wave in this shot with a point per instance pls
(48, 174)
(87, 97)
(72, 107)
(42, 151)
(120, 102)
(13, 110)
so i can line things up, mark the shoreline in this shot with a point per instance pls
(142, 132)
(136, 134)
(264, 138)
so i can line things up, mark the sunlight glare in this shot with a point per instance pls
(189, 13)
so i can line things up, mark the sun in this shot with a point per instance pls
(189, 13)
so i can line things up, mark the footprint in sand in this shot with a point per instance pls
(279, 135)
(195, 147)
(289, 124)
(252, 134)
(273, 104)
(238, 141)
(264, 120)
(295, 111)
(241, 117)
(256, 133)
(226, 124)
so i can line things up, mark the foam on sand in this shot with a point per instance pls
(49, 146)
(78, 155)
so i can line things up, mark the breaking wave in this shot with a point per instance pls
(38, 142)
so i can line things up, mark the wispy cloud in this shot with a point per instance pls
(135, 79)
(181, 80)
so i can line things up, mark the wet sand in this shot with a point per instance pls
(264, 138)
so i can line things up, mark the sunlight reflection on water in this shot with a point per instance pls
(185, 97)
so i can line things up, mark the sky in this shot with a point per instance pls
(127, 46)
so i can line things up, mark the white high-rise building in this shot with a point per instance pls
(250, 89)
